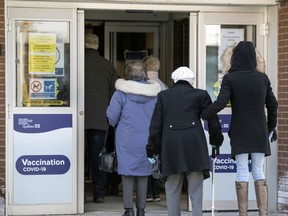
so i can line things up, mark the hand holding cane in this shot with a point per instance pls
(215, 151)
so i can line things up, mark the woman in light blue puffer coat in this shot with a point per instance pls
(131, 109)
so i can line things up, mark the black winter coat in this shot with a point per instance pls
(100, 78)
(176, 132)
(249, 92)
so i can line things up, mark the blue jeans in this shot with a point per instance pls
(257, 171)
(94, 141)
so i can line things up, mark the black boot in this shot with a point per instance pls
(140, 212)
(129, 212)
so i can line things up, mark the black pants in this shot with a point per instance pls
(153, 186)
(94, 141)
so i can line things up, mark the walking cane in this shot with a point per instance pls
(215, 151)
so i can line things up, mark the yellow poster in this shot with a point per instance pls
(42, 53)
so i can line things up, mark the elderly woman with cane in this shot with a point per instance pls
(177, 135)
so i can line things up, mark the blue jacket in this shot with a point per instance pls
(131, 109)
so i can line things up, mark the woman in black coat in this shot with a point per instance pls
(176, 134)
(249, 91)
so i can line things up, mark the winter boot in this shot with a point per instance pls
(242, 197)
(129, 212)
(140, 212)
(261, 190)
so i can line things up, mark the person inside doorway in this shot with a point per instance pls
(249, 90)
(100, 78)
(153, 65)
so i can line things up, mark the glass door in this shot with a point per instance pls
(42, 106)
(42, 77)
(219, 31)
(130, 41)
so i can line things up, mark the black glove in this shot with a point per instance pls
(274, 135)
(215, 151)
(217, 139)
(150, 152)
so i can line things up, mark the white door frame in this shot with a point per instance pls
(33, 207)
(196, 62)
(258, 19)
(80, 110)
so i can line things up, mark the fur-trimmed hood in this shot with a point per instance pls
(138, 91)
(249, 62)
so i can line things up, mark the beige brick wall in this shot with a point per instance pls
(283, 109)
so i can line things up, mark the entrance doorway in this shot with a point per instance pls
(177, 38)
(133, 38)
(195, 40)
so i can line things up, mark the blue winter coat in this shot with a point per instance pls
(131, 109)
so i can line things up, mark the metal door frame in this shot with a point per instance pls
(260, 19)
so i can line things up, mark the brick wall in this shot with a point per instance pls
(2, 90)
(283, 108)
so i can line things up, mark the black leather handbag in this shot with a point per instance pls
(108, 159)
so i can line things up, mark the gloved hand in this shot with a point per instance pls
(150, 151)
(272, 135)
(151, 160)
(216, 139)
(215, 151)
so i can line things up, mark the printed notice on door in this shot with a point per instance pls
(46, 52)
(42, 53)
(42, 88)
(228, 38)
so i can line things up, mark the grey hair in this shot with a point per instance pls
(91, 41)
(152, 63)
(136, 70)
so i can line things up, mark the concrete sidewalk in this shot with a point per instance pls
(182, 214)
(113, 206)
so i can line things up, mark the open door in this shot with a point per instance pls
(42, 124)
(217, 32)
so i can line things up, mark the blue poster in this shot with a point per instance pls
(42, 158)
(224, 120)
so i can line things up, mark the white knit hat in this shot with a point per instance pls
(183, 73)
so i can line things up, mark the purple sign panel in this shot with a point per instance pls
(42, 164)
(224, 121)
(30, 123)
(225, 164)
